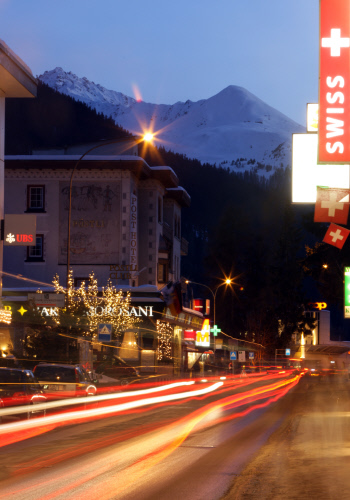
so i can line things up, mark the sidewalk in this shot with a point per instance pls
(308, 457)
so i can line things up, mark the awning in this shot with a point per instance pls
(327, 349)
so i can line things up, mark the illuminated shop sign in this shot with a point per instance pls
(20, 230)
(190, 335)
(202, 306)
(318, 305)
(100, 311)
(307, 175)
(203, 335)
(347, 292)
(334, 82)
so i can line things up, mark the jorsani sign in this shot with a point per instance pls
(99, 310)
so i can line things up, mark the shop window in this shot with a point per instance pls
(35, 198)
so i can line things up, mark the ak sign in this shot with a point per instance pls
(334, 82)
(20, 230)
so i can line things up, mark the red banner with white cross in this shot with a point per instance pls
(334, 82)
(336, 235)
(332, 205)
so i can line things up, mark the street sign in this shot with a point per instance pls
(104, 332)
(241, 356)
(233, 355)
(287, 352)
(218, 343)
(47, 299)
(251, 355)
(20, 230)
(334, 81)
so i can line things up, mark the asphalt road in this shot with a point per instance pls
(242, 450)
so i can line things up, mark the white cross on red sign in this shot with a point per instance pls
(332, 205)
(334, 88)
(336, 235)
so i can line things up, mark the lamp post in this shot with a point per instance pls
(145, 138)
(228, 281)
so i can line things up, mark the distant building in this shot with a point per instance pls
(315, 347)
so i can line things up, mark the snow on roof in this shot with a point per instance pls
(163, 168)
(75, 157)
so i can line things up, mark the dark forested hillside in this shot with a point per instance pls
(53, 120)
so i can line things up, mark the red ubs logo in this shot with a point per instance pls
(24, 238)
(318, 305)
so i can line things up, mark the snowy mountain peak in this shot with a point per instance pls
(223, 129)
(82, 89)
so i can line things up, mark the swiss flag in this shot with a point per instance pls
(336, 235)
(332, 205)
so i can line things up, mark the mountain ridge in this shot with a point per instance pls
(231, 128)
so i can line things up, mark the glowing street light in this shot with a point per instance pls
(148, 137)
(227, 282)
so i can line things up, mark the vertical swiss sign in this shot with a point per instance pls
(334, 85)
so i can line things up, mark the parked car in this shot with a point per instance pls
(116, 368)
(20, 388)
(64, 381)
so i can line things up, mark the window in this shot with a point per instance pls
(35, 198)
(36, 253)
(163, 271)
(160, 209)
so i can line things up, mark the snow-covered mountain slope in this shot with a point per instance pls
(232, 125)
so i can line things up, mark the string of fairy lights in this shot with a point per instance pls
(164, 336)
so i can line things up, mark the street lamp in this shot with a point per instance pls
(227, 282)
(147, 137)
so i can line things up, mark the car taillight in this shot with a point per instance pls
(76, 377)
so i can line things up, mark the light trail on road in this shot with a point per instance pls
(131, 463)
(15, 431)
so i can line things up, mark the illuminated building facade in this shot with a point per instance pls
(125, 219)
(125, 226)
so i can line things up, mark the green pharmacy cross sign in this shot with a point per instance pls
(347, 292)
(215, 330)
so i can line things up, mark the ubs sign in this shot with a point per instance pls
(20, 230)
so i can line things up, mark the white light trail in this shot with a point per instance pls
(98, 412)
(89, 399)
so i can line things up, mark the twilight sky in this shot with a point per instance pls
(174, 50)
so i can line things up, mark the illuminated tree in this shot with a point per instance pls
(87, 306)
(164, 336)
